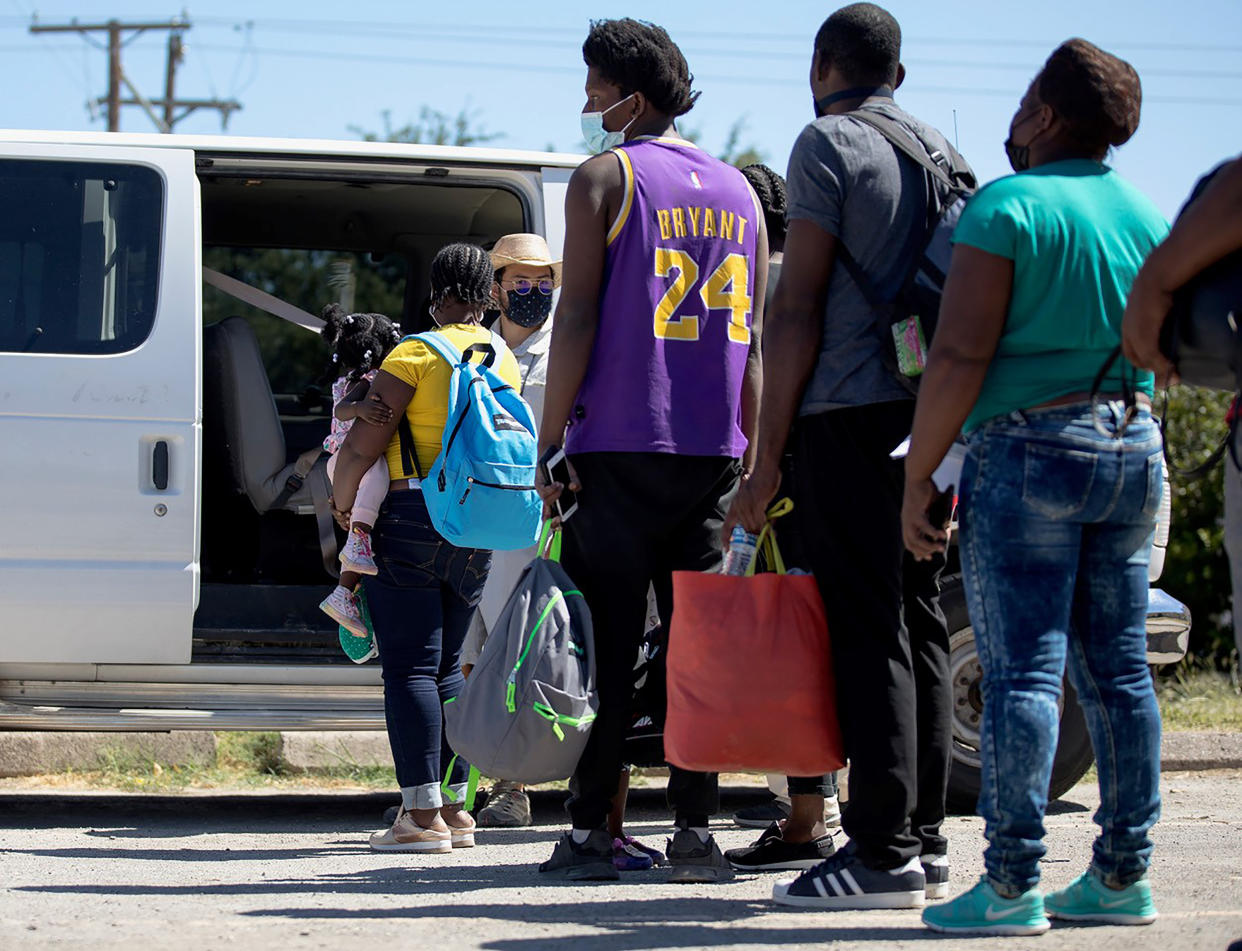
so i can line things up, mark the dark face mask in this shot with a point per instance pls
(1019, 155)
(529, 310)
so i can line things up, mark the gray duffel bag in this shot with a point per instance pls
(527, 707)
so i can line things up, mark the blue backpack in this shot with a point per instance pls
(480, 491)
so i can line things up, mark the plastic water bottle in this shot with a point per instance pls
(741, 551)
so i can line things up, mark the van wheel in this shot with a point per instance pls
(1074, 754)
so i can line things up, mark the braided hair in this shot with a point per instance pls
(770, 189)
(359, 342)
(463, 270)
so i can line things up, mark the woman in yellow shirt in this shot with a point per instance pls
(427, 589)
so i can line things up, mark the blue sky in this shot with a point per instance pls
(308, 68)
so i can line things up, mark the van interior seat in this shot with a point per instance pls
(241, 425)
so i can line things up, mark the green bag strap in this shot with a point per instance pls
(766, 545)
(472, 784)
(556, 719)
(549, 542)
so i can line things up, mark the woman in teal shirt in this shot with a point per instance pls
(1059, 491)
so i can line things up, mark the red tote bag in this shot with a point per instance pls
(750, 681)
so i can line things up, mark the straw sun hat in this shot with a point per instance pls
(525, 249)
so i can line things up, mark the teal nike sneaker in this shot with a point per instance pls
(1089, 899)
(982, 910)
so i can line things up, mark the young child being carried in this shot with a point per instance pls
(359, 344)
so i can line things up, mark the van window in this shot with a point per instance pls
(79, 256)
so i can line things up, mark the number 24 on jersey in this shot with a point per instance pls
(726, 288)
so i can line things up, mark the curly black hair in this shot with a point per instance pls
(863, 42)
(640, 57)
(770, 189)
(359, 342)
(463, 270)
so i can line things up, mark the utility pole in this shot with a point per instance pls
(116, 31)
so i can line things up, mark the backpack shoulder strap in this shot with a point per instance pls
(900, 139)
(441, 345)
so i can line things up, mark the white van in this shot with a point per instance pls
(166, 538)
(161, 374)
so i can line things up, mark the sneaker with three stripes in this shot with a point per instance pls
(842, 882)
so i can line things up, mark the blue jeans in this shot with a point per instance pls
(421, 603)
(1057, 522)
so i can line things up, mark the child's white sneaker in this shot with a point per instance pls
(356, 555)
(341, 606)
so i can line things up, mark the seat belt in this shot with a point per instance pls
(325, 525)
(301, 469)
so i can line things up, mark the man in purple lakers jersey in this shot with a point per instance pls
(653, 384)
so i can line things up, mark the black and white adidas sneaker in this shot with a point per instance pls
(843, 882)
(936, 871)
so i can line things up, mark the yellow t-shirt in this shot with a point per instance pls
(415, 363)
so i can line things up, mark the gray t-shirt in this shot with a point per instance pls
(845, 177)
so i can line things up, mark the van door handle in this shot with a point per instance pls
(159, 464)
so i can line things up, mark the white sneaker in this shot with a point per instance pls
(341, 606)
(356, 556)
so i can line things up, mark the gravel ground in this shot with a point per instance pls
(106, 871)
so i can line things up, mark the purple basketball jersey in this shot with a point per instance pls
(666, 371)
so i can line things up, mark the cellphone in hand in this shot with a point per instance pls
(555, 466)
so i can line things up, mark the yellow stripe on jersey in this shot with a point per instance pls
(628, 170)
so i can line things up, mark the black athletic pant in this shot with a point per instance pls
(890, 644)
(640, 517)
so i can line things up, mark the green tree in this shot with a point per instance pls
(433, 127)
(1196, 569)
(732, 152)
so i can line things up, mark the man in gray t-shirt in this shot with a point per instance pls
(828, 389)
(847, 180)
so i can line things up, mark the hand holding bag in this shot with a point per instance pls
(750, 681)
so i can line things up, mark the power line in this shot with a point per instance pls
(748, 80)
(546, 34)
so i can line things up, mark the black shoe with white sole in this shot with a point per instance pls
(936, 871)
(771, 853)
(843, 882)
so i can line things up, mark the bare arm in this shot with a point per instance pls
(972, 318)
(1208, 230)
(355, 405)
(592, 195)
(365, 444)
(752, 384)
(792, 334)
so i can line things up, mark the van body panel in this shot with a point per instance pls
(99, 561)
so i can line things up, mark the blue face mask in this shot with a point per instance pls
(599, 139)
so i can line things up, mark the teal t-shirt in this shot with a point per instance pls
(1077, 234)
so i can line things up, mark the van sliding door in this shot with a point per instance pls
(99, 403)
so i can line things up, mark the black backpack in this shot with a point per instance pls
(1201, 335)
(908, 319)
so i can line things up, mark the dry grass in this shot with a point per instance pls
(1200, 699)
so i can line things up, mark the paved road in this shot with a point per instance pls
(292, 871)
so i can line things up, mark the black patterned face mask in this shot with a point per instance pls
(529, 310)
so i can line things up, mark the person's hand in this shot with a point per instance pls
(921, 537)
(465, 670)
(750, 505)
(374, 411)
(340, 516)
(551, 491)
(1146, 310)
